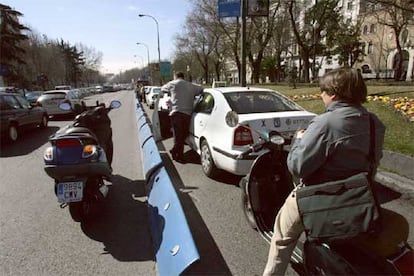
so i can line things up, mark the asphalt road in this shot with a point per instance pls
(39, 238)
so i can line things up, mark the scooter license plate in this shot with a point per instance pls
(69, 191)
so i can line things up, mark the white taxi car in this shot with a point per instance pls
(151, 95)
(219, 145)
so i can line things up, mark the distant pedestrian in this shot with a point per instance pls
(182, 101)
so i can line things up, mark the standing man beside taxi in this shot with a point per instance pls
(182, 101)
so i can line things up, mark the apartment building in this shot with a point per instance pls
(378, 42)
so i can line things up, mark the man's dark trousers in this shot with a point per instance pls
(180, 123)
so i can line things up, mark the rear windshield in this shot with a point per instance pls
(156, 90)
(55, 95)
(259, 102)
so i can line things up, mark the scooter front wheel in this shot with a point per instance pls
(79, 211)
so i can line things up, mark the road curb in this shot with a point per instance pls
(400, 163)
(400, 184)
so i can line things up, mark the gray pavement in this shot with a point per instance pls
(399, 175)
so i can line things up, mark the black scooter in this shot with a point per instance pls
(79, 159)
(264, 191)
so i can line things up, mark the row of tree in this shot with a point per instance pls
(34, 61)
(208, 44)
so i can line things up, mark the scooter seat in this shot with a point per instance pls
(80, 131)
(395, 229)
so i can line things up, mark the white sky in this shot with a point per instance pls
(112, 27)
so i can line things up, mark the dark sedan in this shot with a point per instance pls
(17, 115)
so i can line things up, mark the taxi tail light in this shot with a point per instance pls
(242, 136)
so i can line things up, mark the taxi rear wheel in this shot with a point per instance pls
(207, 162)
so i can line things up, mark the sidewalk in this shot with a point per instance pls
(403, 180)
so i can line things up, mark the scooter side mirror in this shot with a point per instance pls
(115, 104)
(232, 118)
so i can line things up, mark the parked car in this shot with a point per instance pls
(98, 89)
(63, 87)
(18, 115)
(12, 89)
(32, 96)
(164, 108)
(151, 95)
(51, 99)
(219, 145)
(145, 90)
(164, 103)
(108, 88)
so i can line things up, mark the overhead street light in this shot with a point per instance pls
(142, 59)
(158, 35)
(146, 46)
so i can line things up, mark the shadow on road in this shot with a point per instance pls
(28, 141)
(123, 225)
(223, 177)
(211, 260)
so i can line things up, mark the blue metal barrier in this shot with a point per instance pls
(142, 119)
(170, 232)
(151, 158)
(172, 239)
(144, 133)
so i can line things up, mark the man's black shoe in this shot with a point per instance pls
(180, 160)
(177, 157)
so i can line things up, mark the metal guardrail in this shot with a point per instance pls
(171, 236)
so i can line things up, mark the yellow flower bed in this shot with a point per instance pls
(402, 105)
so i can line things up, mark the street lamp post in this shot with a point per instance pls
(146, 46)
(158, 35)
(142, 59)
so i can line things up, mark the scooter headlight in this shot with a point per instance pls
(89, 150)
(48, 154)
(277, 139)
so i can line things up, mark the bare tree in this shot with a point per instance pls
(260, 31)
(91, 65)
(345, 43)
(309, 24)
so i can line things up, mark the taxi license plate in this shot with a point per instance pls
(70, 191)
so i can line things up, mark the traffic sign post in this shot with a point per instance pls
(229, 8)
(166, 69)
